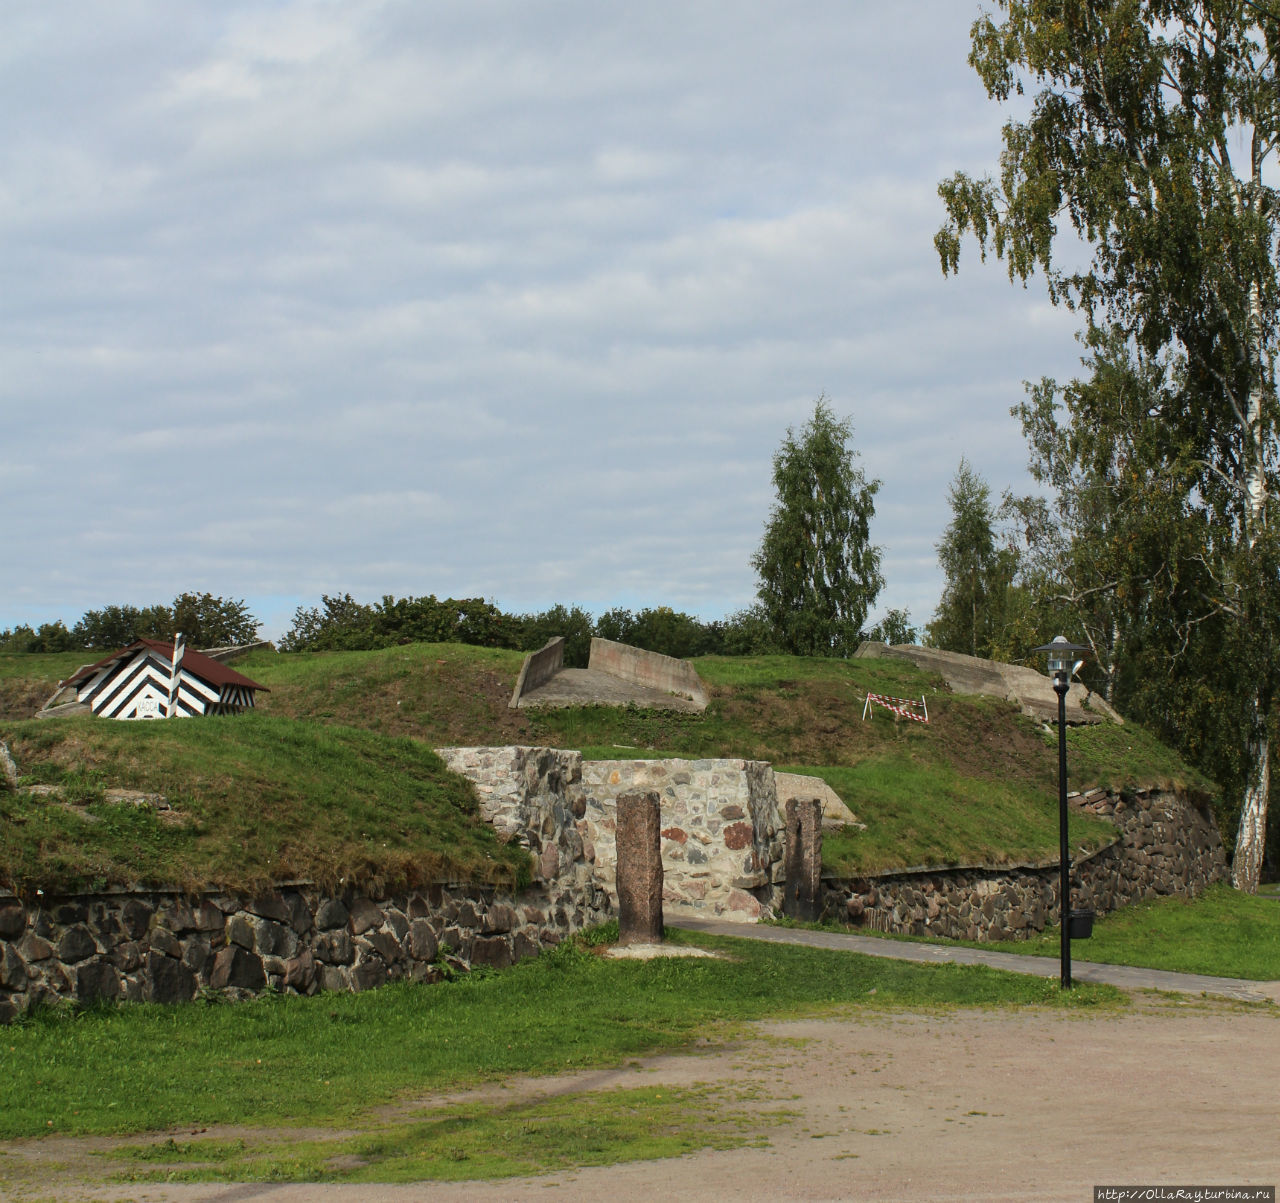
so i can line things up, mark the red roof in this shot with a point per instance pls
(204, 667)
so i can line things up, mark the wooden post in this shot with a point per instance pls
(639, 844)
(802, 896)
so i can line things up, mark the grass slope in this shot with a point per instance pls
(253, 799)
(976, 785)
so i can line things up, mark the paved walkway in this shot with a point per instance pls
(1125, 976)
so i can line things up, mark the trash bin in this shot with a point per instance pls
(1081, 924)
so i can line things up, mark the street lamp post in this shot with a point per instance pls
(1064, 659)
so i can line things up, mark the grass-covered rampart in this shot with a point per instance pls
(976, 785)
(246, 801)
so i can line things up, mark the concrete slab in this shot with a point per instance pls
(797, 785)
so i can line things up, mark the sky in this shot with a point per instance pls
(512, 300)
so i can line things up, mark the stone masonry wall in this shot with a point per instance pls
(722, 835)
(162, 946)
(1168, 844)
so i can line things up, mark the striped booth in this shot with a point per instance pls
(154, 678)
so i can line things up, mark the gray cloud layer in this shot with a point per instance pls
(495, 298)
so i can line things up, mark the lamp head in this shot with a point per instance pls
(1065, 658)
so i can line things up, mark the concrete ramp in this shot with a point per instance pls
(1030, 690)
(616, 675)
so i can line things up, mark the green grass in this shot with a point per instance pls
(46, 667)
(922, 812)
(254, 799)
(473, 1140)
(1222, 933)
(328, 1060)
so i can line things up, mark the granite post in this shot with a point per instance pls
(802, 898)
(639, 844)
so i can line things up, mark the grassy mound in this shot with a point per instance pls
(978, 784)
(237, 803)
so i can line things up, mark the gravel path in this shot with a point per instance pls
(961, 1105)
(968, 1105)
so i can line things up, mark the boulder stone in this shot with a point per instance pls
(163, 940)
(13, 919)
(13, 970)
(369, 974)
(270, 905)
(77, 944)
(335, 948)
(135, 917)
(275, 939)
(97, 979)
(237, 967)
(168, 980)
(364, 915)
(331, 915)
(422, 943)
(491, 950)
(300, 971)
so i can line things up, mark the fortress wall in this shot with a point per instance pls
(167, 946)
(722, 835)
(1168, 844)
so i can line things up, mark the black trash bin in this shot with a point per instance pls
(1081, 924)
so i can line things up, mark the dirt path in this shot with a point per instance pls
(966, 1105)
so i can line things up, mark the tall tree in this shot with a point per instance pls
(1153, 131)
(1115, 555)
(978, 573)
(819, 573)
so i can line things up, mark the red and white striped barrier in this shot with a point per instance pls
(917, 712)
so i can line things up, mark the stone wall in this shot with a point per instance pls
(1168, 844)
(722, 835)
(163, 946)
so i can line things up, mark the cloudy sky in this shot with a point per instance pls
(489, 298)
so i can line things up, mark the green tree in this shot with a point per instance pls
(1114, 556)
(573, 623)
(970, 613)
(894, 627)
(208, 621)
(819, 573)
(1153, 132)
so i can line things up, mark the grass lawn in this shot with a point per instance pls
(333, 1060)
(1223, 933)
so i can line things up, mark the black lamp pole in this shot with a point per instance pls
(1060, 686)
(1064, 659)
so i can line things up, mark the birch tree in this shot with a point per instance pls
(819, 572)
(977, 572)
(1152, 135)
